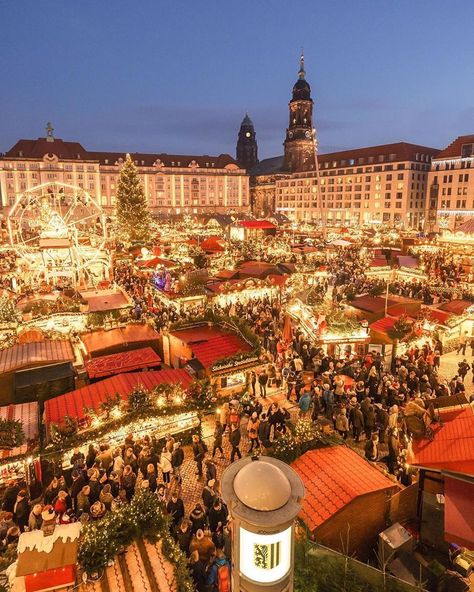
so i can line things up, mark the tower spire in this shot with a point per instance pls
(301, 72)
(49, 132)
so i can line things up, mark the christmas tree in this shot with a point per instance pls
(133, 216)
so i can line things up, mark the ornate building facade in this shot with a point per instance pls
(173, 184)
(370, 186)
(450, 188)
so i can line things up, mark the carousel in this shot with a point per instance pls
(58, 233)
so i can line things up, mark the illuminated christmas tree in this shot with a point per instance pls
(133, 216)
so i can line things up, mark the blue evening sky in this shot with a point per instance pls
(178, 76)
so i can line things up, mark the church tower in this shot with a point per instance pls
(299, 145)
(247, 144)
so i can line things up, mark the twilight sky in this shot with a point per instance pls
(178, 76)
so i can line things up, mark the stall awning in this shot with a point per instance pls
(137, 359)
(458, 512)
(93, 395)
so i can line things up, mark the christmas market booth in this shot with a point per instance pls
(225, 293)
(373, 308)
(129, 337)
(338, 333)
(153, 403)
(47, 557)
(340, 485)
(222, 351)
(36, 370)
(445, 460)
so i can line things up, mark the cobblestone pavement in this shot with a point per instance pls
(191, 488)
(449, 367)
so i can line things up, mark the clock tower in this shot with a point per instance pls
(299, 144)
(247, 150)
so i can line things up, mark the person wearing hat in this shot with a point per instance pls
(13, 534)
(48, 523)
(35, 520)
(60, 504)
(97, 511)
(209, 494)
(106, 496)
(198, 518)
(372, 447)
(342, 423)
(203, 545)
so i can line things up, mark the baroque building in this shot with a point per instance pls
(374, 185)
(173, 184)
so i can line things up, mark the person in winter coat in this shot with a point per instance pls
(151, 478)
(203, 545)
(276, 419)
(175, 508)
(235, 443)
(224, 416)
(211, 470)
(304, 404)
(372, 448)
(342, 423)
(199, 451)
(198, 572)
(165, 465)
(94, 486)
(129, 480)
(61, 504)
(106, 497)
(198, 519)
(217, 515)
(381, 421)
(393, 450)
(183, 535)
(83, 505)
(252, 431)
(264, 433)
(219, 567)
(218, 433)
(262, 382)
(369, 421)
(177, 459)
(357, 420)
(209, 495)
(21, 510)
(10, 495)
(35, 520)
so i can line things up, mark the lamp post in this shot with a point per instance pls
(318, 186)
(264, 497)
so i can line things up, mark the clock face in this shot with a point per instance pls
(307, 134)
(247, 134)
(290, 134)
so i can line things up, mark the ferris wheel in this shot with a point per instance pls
(60, 230)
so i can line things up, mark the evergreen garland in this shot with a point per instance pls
(11, 433)
(133, 216)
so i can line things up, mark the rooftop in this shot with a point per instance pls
(333, 477)
(37, 353)
(452, 447)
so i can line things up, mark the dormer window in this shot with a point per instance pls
(20, 153)
(106, 161)
(467, 150)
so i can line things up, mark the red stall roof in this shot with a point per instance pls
(452, 447)
(383, 325)
(333, 477)
(458, 514)
(93, 395)
(210, 344)
(263, 224)
(137, 359)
